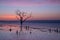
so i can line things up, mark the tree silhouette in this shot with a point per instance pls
(22, 16)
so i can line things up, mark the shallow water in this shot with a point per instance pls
(37, 31)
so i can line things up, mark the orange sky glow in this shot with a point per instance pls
(41, 9)
(33, 17)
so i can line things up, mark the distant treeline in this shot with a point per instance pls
(33, 21)
(46, 21)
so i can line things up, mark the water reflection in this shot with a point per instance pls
(17, 32)
(10, 29)
(14, 28)
(27, 32)
(50, 30)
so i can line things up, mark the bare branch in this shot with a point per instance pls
(27, 18)
(23, 14)
(18, 13)
(17, 18)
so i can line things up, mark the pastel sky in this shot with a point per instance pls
(41, 9)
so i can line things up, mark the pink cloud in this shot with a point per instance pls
(27, 3)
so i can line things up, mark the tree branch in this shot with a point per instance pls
(18, 13)
(17, 18)
(27, 18)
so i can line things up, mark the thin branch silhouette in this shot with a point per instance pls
(22, 16)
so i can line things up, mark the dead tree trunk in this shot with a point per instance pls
(22, 17)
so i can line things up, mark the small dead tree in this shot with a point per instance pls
(22, 16)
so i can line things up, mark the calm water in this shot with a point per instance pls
(36, 31)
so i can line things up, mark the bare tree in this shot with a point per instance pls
(22, 16)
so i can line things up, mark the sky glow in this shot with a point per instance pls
(41, 9)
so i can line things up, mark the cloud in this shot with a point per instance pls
(28, 2)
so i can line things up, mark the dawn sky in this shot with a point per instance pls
(41, 9)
